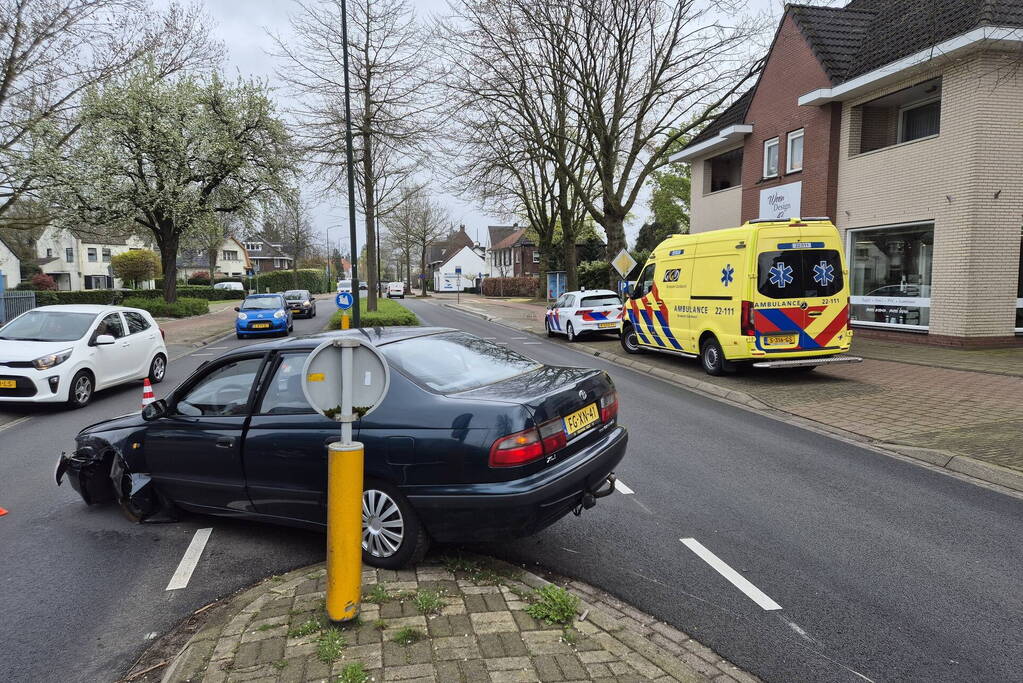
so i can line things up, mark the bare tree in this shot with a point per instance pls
(399, 223)
(296, 230)
(389, 106)
(624, 80)
(429, 223)
(53, 51)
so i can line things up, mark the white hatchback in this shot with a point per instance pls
(584, 311)
(396, 289)
(64, 354)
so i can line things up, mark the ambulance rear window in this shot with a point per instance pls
(601, 300)
(799, 273)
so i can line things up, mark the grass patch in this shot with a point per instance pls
(378, 595)
(389, 312)
(570, 635)
(306, 628)
(554, 605)
(428, 602)
(354, 673)
(408, 635)
(267, 627)
(280, 664)
(479, 572)
(380, 624)
(330, 645)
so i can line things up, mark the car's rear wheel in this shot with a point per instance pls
(570, 332)
(392, 536)
(630, 340)
(547, 325)
(713, 358)
(158, 369)
(82, 387)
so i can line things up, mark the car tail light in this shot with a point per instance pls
(526, 446)
(848, 312)
(747, 325)
(582, 311)
(609, 406)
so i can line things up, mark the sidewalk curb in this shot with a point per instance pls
(950, 462)
(626, 627)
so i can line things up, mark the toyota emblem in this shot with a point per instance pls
(582, 395)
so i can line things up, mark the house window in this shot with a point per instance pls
(253, 246)
(49, 253)
(912, 113)
(69, 255)
(518, 256)
(723, 171)
(106, 255)
(536, 256)
(890, 275)
(93, 256)
(230, 255)
(771, 158)
(794, 151)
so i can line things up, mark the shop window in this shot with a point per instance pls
(910, 114)
(794, 151)
(723, 171)
(890, 275)
(771, 158)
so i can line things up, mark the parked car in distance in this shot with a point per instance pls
(472, 442)
(64, 354)
(263, 314)
(301, 302)
(344, 286)
(584, 312)
(396, 289)
(233, 286)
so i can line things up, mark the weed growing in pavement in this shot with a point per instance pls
(377, 595)
(479, 572)
(267, 627)
(280, 664)
(408, 635)
(524, 594)
(554, 605)
(570, 635)
(380, 624)
(354, 673)
(428, 602)
(330, 645)
(306, 628)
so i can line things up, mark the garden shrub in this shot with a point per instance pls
(511, 286)
(388, 313)
(182, 308)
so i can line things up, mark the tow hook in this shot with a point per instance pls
(590, 497)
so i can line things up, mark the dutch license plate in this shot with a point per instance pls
(581, 419)
(8, 384)
(296, 310)
(606, 326)
(780, 340)
(260, 326)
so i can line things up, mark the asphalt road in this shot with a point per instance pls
(882, 569)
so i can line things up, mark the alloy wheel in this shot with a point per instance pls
(82, 390)
(159, 368)
(383, 527)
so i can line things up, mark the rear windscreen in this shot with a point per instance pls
(602, 300)
(799, 273)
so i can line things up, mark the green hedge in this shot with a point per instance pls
(511, 286)
(182, 308)
(193, 292)
(388, 313)
(280, 280)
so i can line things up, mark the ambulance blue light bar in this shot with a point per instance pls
(801, 245)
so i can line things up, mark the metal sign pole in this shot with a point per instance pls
(350, 161)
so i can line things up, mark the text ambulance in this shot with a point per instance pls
(772, 293)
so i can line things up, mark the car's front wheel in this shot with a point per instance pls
(82, 387)
(158, 369)
(392, 536)
(630, 340)
(570, 332)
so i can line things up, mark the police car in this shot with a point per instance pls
(585, 311)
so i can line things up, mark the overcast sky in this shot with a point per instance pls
(242, 26)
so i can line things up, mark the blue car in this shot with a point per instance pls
(263, 314)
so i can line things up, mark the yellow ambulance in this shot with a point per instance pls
(773, 293)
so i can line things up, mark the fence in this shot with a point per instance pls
(13, 304)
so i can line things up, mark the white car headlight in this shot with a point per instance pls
(48, 361)
(280, 314)
(306, 302)
(242, 316)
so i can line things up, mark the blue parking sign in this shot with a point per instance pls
(344, 300)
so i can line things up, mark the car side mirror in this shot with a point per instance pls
(105, 340)
(236, 308)
(155, 410)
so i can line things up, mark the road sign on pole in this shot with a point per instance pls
(623, 263)
(344, 379)
(344, 300)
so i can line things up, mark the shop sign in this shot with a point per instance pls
(781, 202)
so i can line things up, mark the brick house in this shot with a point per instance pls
(266, 256)
(512, 253)
(900, 121)
(232, 260)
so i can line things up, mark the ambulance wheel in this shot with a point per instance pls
(630, 340)
(713, 358)
(547, 325)
(570, 333)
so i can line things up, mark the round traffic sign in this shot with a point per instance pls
(344, 300)
(327, 378)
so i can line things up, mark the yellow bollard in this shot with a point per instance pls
(345, 324)
(344, 530)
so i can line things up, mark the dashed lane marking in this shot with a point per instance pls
(190, 559)
(622, 488)
(733, 577)
(14, 423)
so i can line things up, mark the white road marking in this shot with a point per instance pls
(490, 338)
(152, 635)
(216, 348)
(518, 337)
(202, 354)
(622, 488)
(190, 559)
(570, 550)
(733, 577)
(14, 423)
(530, 343)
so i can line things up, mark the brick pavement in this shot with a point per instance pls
(961, 402)
(453, 619)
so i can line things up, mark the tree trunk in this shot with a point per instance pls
(571, 267)
(169, 261)
(212, 256)
(422, 270)
(369, 190)
(614, 226)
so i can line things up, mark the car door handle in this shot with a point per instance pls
(225, 442)
(814, 314)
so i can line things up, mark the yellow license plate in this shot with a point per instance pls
(260, 326)
(296, 310)
(581, 419)
(780, 340)
(8, 384)
(606, 326)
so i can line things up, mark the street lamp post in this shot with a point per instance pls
(350, 161)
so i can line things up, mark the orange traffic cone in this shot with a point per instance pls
(147, 393)
(2, 512)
